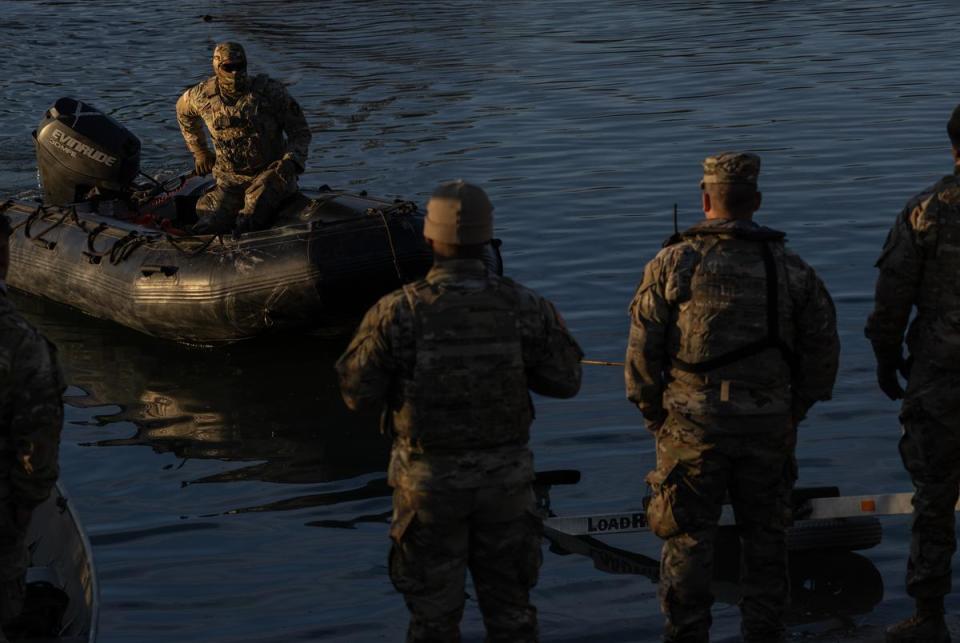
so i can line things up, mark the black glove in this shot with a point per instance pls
(654, 420)
(286, 167)
(244, 224)
(203, 162)
(887, 377)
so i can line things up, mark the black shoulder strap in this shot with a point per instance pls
(773, 338)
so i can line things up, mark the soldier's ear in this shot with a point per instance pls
(705, 202)
(757, 201)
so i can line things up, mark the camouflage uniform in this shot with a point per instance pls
(247, 127)
(919, 265)
(733, 337)
(32, 417)
(452, 357)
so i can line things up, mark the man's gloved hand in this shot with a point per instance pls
(203, 162)
(887, 368)
(654, 420)
(286, 167)
(244, 225)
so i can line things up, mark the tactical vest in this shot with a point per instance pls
(468, 389)
(935, 334)
(731, 345)
(247, 134)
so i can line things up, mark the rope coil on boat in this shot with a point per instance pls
(119, 251)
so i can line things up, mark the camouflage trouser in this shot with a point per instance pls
(242, 200)
(697, 466)
(930, 449)
(14, 560)
(439, 535)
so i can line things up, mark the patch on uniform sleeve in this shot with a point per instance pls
(950, 195)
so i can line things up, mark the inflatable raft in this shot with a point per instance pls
(329, 257)
(62, 602)
(117, 249)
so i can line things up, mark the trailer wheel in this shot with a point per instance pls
(847, 534)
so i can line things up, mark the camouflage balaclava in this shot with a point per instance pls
(230, 66)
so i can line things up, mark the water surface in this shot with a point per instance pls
(231, 496)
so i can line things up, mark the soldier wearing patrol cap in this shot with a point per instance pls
(451, 360)
(919, 266)
(260, 137)
(32, 416)
(732, 339)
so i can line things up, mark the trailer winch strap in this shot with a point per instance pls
(894, 504)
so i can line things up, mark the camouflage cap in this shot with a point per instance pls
(731, 167)
(228, 52)
(459, 213)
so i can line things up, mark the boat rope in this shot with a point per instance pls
(177, 241)
(393, 249)
(92, 253)
(124, 246)
(599, 362)
(39, 236)
(121, 249)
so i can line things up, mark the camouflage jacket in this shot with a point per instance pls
(919, 266)
(707, 296)
(248, 131)
(443, 438)
(31, 411)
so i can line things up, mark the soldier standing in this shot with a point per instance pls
(32, 417)
(254, 166)
(919, 266)
(732, 339)
(450, 358)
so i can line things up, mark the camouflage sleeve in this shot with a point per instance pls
(191, 123)
(646, 346)
(294, 126)
(817, 344)
(901, 267)
(370, 366)
(553, 359)
(36, 420)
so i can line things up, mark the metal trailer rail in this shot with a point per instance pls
(810, 510)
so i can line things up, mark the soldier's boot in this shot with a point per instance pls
(927, 625)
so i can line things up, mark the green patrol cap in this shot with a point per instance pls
(731, 167)
(459, 213)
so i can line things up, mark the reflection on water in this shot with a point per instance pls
(586, 122)
(824, 585)
(275, 405)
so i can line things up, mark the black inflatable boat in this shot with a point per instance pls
(115, 249)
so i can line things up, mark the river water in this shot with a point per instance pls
(229, 494)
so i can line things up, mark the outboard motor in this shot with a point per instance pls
(80, 148)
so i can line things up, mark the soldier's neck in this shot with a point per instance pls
(713, 214)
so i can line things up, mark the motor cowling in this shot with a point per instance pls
(80, 148)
